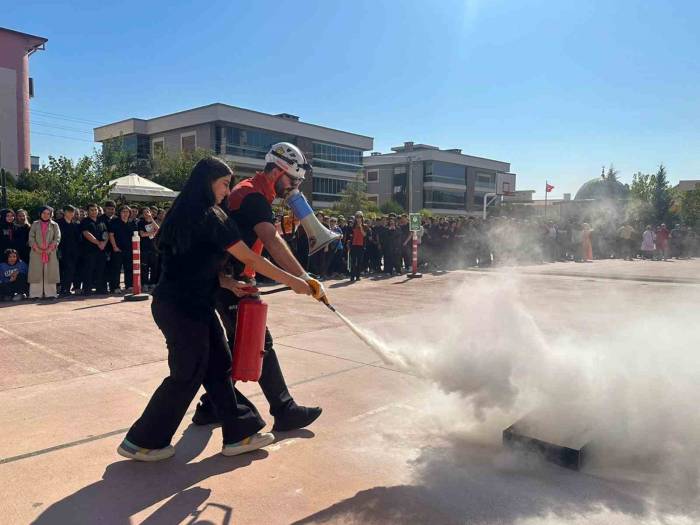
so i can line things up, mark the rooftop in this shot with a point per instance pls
(281, 122)
(35, 41)
(688, 185)
(428, 152)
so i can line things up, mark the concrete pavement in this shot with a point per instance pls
(75, 374)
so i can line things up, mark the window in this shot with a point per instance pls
(328, 190)
(337, 157)
(373, 199)
(373, 176)
(444, 172)
(247, 142)
(158, 146)
(445, 199)
(399, 170)
(188, 141)
(485, 181)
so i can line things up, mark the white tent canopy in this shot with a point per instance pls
(136, 188)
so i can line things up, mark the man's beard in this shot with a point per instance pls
(281, 191)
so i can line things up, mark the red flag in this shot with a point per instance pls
(549, 188)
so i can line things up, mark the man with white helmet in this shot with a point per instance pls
(250, 205)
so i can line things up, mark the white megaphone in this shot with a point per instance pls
(319, 236)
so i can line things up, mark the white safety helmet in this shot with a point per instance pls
(289, 158)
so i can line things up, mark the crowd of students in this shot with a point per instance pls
(89, 250)
(78, 251)
(384, 244)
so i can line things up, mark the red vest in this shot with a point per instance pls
(260, 183)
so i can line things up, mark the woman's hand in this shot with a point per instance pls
(238, 288)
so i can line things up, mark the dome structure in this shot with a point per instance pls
(602, 188)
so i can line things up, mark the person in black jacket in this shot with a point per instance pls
(121, 229)
(22, 227)
(392, 249)
(104, 279)
(93, 244)
(69, 251)
(8, 231)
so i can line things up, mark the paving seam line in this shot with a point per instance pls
(111, 433)
(373, 364)
(650, 279)
(58, 355)
(77, 378)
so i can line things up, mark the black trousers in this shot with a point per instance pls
(271, 381)
(407, 255)
(67, 269)
(149, 267)
(357, 255)
(197, 354)
(121, 260)
(392, 260)
(104, 278)
(92, 270)
(19, 285)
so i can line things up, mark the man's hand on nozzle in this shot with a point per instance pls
(318, 291)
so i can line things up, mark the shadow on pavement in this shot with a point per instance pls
(98, 305)
(341, 284)
(127, 487)
(470, 485)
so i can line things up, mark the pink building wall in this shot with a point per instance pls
(15, 49)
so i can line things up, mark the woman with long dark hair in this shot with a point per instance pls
(22, 227)
(8, 230)
(193, 241)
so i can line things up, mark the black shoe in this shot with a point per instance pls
(296, 417)
(204, 415)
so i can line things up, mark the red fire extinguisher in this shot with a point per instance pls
(249, 342)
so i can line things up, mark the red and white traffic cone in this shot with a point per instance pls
(136, 271)
(414, 262)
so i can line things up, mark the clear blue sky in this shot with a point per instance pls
(556, 88)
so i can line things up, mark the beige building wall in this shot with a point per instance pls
(8, 120)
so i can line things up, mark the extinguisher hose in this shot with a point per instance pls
(323, 299)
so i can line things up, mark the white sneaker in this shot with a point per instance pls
(131, 451)
(248, 444)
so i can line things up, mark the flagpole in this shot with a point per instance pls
(546, 191)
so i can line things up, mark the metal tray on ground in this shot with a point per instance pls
(562, 443)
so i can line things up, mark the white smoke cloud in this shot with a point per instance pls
(632, 381)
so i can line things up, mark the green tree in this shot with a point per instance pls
(661, 196)
(354, 197)
(642, 187)
(639, 209)
(173, 169)
(689, 207)
(26, 200)
(391, 206)
(64, 181)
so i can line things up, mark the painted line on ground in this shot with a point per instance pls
(111, 433)
(593, 276)
(58, 355)
(78, 378)
(373, 364)
(379, 410)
